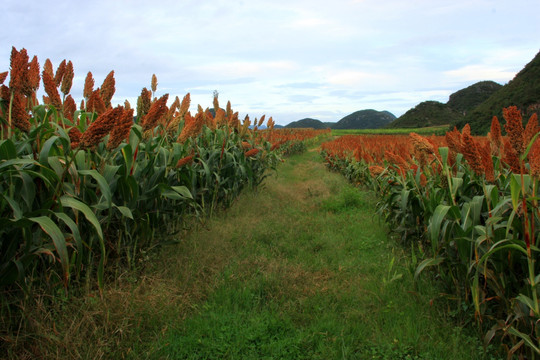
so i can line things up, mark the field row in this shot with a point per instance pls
(468, 207)
(87, 188)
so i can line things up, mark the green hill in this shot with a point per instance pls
(523, 91)
(365, 119)
(467, 99)
(307, 123)
(427, 113)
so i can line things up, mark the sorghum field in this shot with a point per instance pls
(109, 245)
(469, 208)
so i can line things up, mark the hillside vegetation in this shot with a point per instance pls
(362, 119)
(307, 123)
(365, 119)
(427, 113)
(467, 99)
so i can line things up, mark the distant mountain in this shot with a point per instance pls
(427, 113)
(365, 119)
(523, 91)
(467, 99)
(308, 123)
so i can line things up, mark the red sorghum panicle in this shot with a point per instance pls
(422, 144)
(423, 180)
(530, 130)
(251, 153)
(192, 127)
(19, 115)
(376, 170)
(471, 154)
(19, 70)
(397, 160)
(495, 137)
(33, 74)
(101, 127)
(67, 79)
(4, 93)
(510, 157)
(216, 104)
(184, 106)
(261, 121)
(51, 90)
(121, 129)
(69, 107)
(88, 86)
(228, 110)
(143, 103)
(514, 128)
(422, 148)
(534, 158)
(453, 139)
(184, 161)
(156, 111)
(75, 137)
(95, 103)
(234, 121)
(60, 73)
(48, 68)
(174, 106)
(220, 117)
(487, 161)
(153, 83)
(270, 124)
(108, 89)
(3, 76)
(209, 120)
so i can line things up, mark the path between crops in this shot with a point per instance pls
(300, 269)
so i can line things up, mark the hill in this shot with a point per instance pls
(427, 113)
(365, 119)
(307, 123)
(467, 99)
(523, 91)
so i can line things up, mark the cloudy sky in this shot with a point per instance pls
(288, 59)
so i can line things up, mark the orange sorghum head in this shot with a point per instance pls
(101, 127)
(88, 86)
(51, 90)
(95, 103)
(156, 111)
(19, 115)
(495, 137)
(108, 89)
(530, 130)
(69, 107)
(184, 161)
(514, 128)
(121, 129)
(251, 153)
(60, 73)
(67, 79)
(534, 158)
(471, 154)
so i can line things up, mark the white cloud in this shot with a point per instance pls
(475, 73)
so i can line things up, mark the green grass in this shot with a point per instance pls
(311, 274)
(437, 130)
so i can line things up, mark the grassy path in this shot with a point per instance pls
(301, 269)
